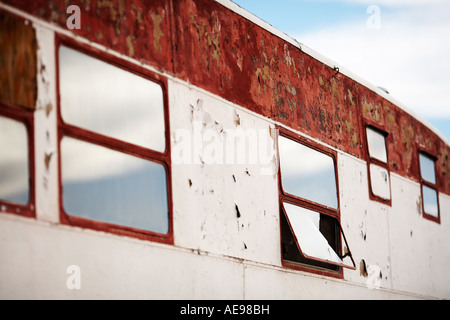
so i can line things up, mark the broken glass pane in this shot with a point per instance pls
(103, 98)
(377, 144)
(305, 225)
(14, 175)
(109, 186)
(307, 173)
(427, 168)
(430, 201)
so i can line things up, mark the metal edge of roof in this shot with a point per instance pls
(332, 64)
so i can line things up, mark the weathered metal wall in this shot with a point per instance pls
(226, 219)
(214, 48)
(18, 62)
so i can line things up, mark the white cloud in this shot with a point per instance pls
(408, 54)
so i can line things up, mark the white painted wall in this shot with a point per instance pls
(409, 250)
(205, 215)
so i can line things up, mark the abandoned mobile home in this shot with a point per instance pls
(188, 150)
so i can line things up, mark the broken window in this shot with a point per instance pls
(379, 179)
(311, 234)
(430, 201)
(114, 164)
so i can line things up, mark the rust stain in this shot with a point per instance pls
(350, 97)
(130, 46)
(109, 5)
(48, 109)
(18, 62)
(407, 134)
(372, 111)
(321, 81)
(213, 40)
(394, 165)
(138, 13)
(157, 32)
(237, 119)
(217, 50)
(335, 89)
(47, 158)
(444, 169)
(211, 37)
(349, 125)
(99, 35)
(55, 13)
(263, 77)
(390, 117)
(121, 7)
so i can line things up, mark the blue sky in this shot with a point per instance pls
(403, 46)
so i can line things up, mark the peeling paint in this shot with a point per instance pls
(238, 213)
(419, 205)
(130, 46)
(205, 44)
(363, 268)
(48, 109)
(236, 118)
(335, 89)
(371, 110)
(157, 32)
(350, 96)
(48, 156)
(407, 133)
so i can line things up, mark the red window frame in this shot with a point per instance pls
(25, 116)
(434, 186)
(163, 158)
(285, 197)
(370, 160)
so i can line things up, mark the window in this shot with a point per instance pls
(18, 93)
(311, 234)
(430, 199)
(114, 154)
(379, 180)
(16, 189)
